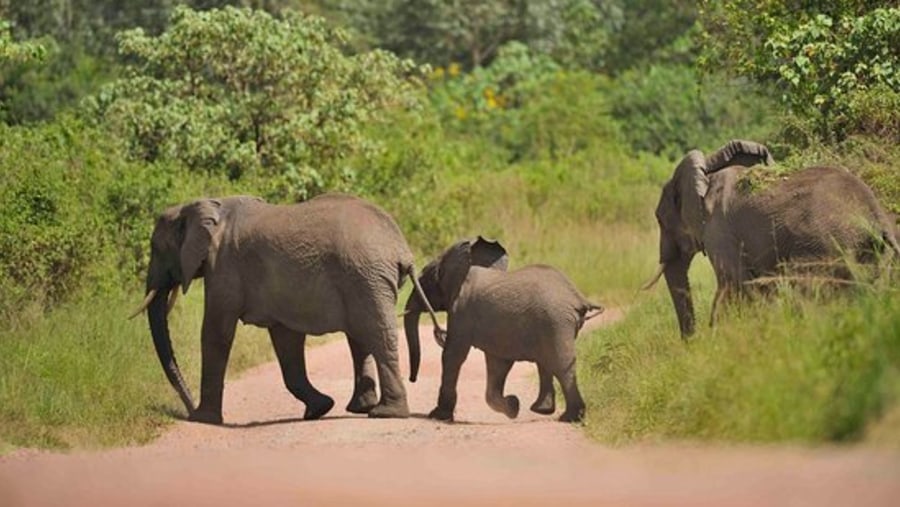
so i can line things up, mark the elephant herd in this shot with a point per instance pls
(337, 262)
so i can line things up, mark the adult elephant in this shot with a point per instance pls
(333, 263)
(751, 228)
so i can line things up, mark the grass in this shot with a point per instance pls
(792, 368)
(84, 376)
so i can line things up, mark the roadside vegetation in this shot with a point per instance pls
(546, 127)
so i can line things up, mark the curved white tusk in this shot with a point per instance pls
(144, 304)
(173, 298)
(652, 281)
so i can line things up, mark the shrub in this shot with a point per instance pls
(238, 91)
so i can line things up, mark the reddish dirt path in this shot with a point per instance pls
(266, 455)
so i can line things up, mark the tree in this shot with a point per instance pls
(829, 59)
(471, 32)
(239, 91)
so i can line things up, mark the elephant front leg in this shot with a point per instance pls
(546, 399)
(497, 371)
(364, 397)
(290, 349)
(216, 338)
(452, 359)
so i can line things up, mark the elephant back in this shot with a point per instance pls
(357, 227)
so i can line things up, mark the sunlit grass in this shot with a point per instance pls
(789, 368)
(84, 376)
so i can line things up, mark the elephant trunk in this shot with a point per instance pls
(159, 329)
(676, 273)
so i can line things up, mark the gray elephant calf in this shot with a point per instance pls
(531, 314)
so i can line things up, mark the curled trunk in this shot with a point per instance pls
(676, 273)
(159, 329)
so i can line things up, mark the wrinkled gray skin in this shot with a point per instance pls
(531, 314)
(817, 215)
(333, 263)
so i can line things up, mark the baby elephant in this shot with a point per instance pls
(531, 314)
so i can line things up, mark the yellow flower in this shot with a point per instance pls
(460, 113)
(437, 73)
(453, 69)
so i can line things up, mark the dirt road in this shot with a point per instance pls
(267, 455)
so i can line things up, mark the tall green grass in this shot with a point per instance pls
(789, 368)
(84, 376)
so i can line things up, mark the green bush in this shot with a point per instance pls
(76, 213)
(823, 57)
(238, 92)
(47, 228)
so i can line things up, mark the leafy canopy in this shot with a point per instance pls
(826, 58)
(242, 92)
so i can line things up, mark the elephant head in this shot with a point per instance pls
(184, 243)
(682, 215)
(442, 278)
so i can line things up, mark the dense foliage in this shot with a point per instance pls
(835, 63)
(241, 92)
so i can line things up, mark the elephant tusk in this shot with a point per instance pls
(173, 298)
(652, 281)
(144, 304)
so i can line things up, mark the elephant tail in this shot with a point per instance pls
(592, 310)
(411, 319)
(587, 312)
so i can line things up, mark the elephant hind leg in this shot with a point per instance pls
(574, 403)
(290, 349)
(546, 399)
(364, 396)
(497, 371)
(393, 402)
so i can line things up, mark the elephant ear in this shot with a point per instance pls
(489, 254)
(690, 184)
(738, 152)
(201, 220)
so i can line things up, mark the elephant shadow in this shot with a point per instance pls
(424, 417)
(181, 416)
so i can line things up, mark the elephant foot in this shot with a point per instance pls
(441, 414)
(398, 410)
(512, 407)
(206, 417)
(544, 406)
(572, 416)
(363, 404)
(318, 407)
